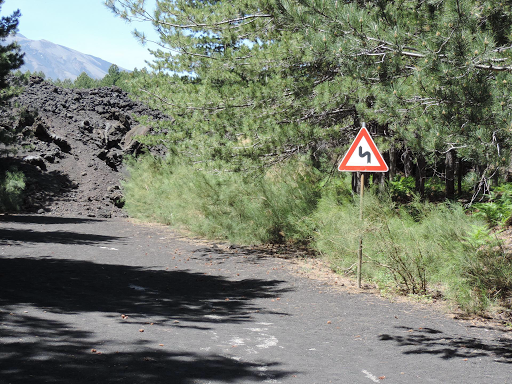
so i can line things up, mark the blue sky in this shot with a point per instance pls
(84, 25)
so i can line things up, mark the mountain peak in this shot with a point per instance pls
(57, 61)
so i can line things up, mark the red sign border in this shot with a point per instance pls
(382, 167)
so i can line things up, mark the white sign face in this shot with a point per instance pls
(363, 156)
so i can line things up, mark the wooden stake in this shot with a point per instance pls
(360, 253)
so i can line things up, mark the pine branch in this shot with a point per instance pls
(219, 108)
(494, 68)
(204, 25)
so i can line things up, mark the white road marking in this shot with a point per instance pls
(215, 336)
(370, 376)
(110, 249)
(237, 341)
(251, 351)
(267, 341)
(137, 287)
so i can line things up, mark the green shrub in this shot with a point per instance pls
(482, 277)
(497, 210)
(273, 207)
(403, 188)
(417, 248)
(12, 185)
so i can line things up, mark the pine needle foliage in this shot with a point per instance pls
(255, 82)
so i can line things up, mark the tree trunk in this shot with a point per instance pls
(392, 162)
(496, 178)
(355, 182)
(315, 156)
(459, 176)
(480, 170)
(408, 165)
(421, 175)
(379, 179)
(450, 161)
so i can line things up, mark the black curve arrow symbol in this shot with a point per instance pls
(367, 154)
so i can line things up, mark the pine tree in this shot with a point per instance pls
(112, 77)
(11, 57)
(84, 81)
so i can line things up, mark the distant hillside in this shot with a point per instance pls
(57, 61)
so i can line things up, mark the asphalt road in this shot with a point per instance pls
(108, 301)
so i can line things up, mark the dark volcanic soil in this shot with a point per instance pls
(71, 145)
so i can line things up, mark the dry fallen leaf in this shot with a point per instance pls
(382, 377)
(141, 330)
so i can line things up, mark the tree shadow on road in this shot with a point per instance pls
(434, 342)
(70, 286)
(40, 345)
(23, 236)
(64, 355)
(43, 219)
(10, 236)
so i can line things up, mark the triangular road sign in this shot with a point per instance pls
(363, 155)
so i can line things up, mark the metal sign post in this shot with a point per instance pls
(362, 156)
